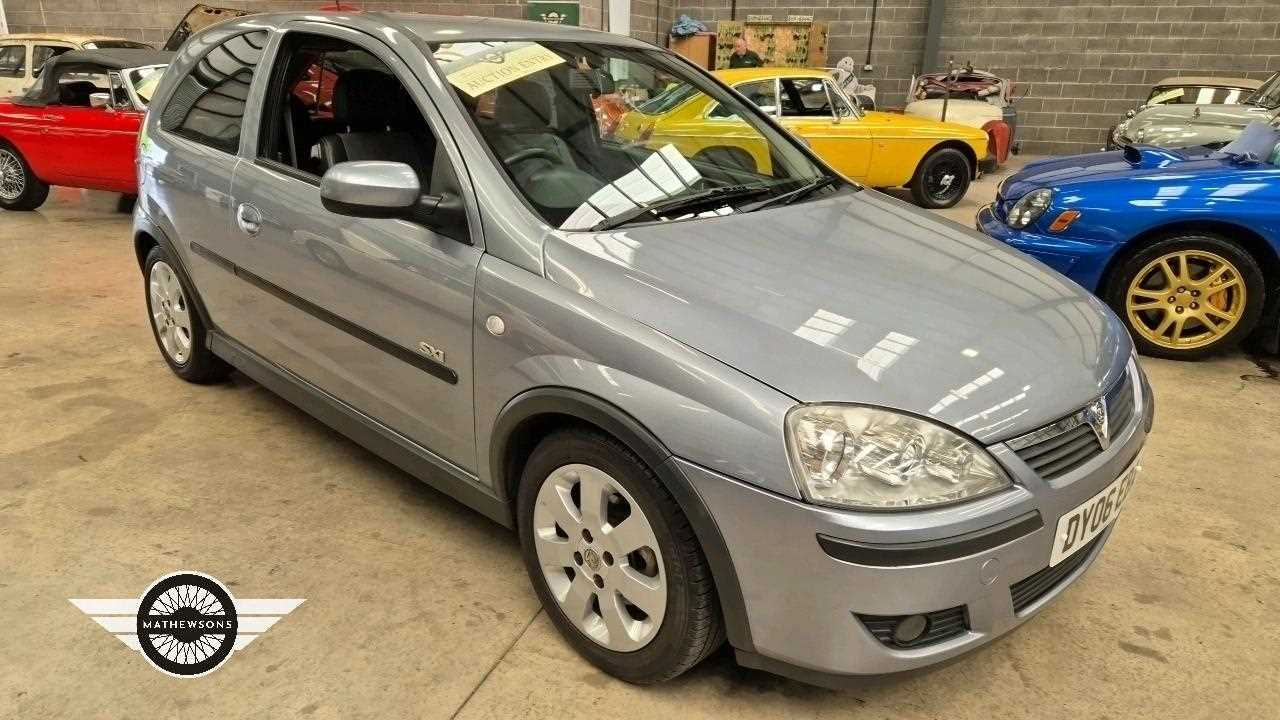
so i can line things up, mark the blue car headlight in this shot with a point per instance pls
(1029, 208)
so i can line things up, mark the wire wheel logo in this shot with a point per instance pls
(187, 624)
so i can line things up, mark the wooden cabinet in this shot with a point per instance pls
(699, 48)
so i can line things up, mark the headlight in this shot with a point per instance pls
(1030, 208)
(861, 457)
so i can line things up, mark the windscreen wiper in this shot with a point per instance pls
(710, 196)
(791, 196)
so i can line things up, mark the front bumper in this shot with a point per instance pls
(806, 609)
(1082, 261)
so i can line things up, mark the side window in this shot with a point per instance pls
(761, 92)
(13, 60)
(331, 101)
(804, 97)
(76, 84)
(41, 54)
(208, 104)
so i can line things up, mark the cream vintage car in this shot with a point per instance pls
(22, 55)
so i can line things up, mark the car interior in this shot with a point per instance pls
(76, 84)
(333, 102)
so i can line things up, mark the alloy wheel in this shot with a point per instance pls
(1186, 299)
(170, 314)
(13, 179)
(600, 557)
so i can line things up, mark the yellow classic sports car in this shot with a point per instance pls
(936, 160)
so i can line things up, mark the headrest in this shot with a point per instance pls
(366, 99)
(523, 104)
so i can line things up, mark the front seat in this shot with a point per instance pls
(379, 122)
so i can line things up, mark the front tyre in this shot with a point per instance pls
(177, 327)
(613, 559)
(20, 189)
(942, 179)
(1188, 296)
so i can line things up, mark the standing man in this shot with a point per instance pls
(742, 57)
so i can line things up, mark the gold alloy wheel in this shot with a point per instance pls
(1186, 299)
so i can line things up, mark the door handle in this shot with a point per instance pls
(249, 219)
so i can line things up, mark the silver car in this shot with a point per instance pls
(1212, 120)
(718, 390)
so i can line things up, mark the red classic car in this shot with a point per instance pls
(78, 126)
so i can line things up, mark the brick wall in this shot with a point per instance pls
(1087, 61)
(900, 29)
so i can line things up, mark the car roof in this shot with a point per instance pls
(115, 58)
(1209, 81)
(732, 76)
(64, 37)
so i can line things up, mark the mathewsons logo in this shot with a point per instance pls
(187, 623)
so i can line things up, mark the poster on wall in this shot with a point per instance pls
(554, 12)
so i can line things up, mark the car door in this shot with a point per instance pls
(13, 68)
(817, 112)
(374, 312)
(94, 146)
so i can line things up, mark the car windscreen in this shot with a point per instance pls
(594, 135)
(1196, 95)
(144, 81)
(1267, 96)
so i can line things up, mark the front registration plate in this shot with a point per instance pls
(1090, 518)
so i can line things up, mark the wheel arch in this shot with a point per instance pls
(1258, 246)
(147, 237)
(953, 144)
(1254, 243)
(536, 413)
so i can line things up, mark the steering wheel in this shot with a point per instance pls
(529, 154)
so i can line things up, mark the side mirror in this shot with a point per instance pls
(865, 102)
(101, 101)
(370, 189)
(380, 189)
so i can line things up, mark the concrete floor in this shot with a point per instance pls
(113, 472)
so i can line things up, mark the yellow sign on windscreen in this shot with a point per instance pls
(502, 65)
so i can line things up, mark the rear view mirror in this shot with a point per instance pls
(101, 101)
(370, 189)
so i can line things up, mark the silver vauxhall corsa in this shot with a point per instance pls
(718, 390)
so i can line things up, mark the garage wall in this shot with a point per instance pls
(1087, 61)
(900, 29)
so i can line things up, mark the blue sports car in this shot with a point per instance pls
(1183, 244)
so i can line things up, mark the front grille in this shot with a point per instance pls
(1026, 592)
(1120, 404)
(942, 625)
(1065, 445)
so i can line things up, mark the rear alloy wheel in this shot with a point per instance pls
(20, 189)
(942, 179)
(176, 324)
(1188, 296)
(614, 560)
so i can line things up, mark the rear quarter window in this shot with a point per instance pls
(208, 104)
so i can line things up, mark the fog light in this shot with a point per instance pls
(909, 629)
